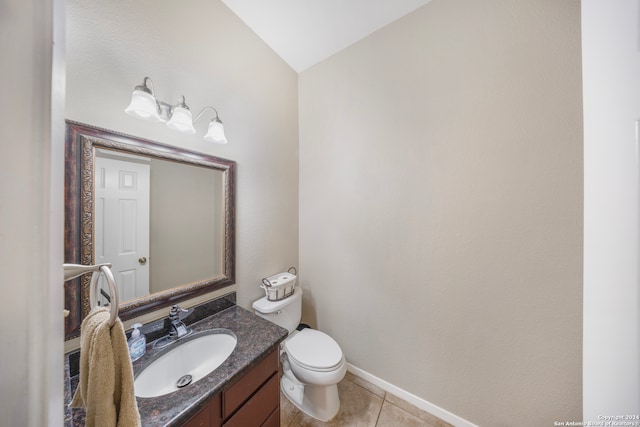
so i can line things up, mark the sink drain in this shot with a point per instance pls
(184, 381)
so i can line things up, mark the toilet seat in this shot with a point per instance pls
(314, 350)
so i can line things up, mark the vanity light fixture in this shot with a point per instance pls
(145, 106)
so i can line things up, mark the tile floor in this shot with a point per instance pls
(362, 404)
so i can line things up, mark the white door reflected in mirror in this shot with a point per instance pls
(122, 221)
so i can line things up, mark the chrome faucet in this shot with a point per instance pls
(177, 328)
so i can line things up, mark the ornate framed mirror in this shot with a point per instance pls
(163, 216)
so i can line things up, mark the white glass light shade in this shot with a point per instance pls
(216, 132)
(181, 120)
(143, 106)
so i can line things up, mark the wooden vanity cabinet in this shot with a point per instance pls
(209, 416)
(253, 400)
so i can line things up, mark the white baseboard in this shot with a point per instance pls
(443, 414)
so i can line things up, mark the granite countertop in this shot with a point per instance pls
(256, 338)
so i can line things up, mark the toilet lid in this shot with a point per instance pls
(314, 349)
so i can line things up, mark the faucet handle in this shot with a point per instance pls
(174, 324)
(179, 313)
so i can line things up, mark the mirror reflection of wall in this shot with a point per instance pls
(160, 223)
(187, 217)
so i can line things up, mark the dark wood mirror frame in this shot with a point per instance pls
(80, 145)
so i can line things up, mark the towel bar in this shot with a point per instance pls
(72, 271)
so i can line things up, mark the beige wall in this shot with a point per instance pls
(441, 207)
(31, 212)
(207, 54)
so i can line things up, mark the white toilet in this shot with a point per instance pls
(312, 362)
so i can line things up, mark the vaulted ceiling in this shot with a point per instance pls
(304, 32)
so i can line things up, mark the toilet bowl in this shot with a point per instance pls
(312, 361)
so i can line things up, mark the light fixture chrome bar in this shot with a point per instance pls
(152, 88)
(144, 105)
(203, 110)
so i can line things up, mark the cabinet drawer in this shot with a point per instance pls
(259, 408)
(238, 393)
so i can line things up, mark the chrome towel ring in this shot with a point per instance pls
(71, 271)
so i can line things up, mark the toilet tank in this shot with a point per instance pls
(286, 313)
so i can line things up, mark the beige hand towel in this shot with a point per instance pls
(106, 376)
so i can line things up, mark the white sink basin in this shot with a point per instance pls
(187, 362)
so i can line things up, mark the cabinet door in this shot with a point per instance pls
(258, 409)
(274, 419)
(201, 419)
(242, 390)
(209, 416)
